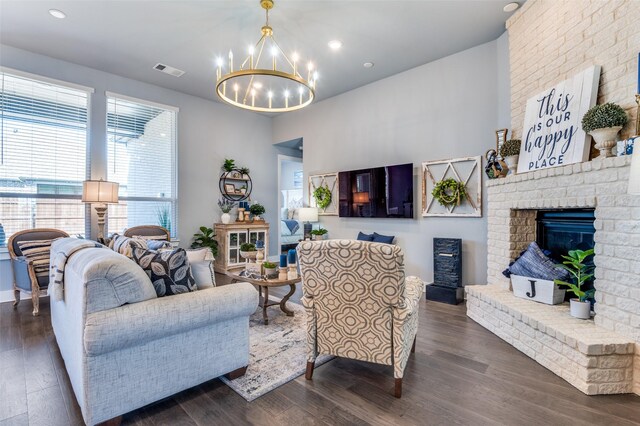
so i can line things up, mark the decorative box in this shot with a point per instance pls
(538, 290)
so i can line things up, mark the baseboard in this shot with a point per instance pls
(7, 296)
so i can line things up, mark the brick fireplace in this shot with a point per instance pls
(598, 356)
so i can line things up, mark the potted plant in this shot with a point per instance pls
(225, 207)
(257, 210)
(248, 251)
(245, 172)
(243, 189)
(603, 122)
(510, 152)
(574, 264)
(319, 234)
(229, 165)
(206, 238)
(269, 269)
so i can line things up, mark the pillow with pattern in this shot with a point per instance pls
(38, 252)
(124, 245)
(169, 271)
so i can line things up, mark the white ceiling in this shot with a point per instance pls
(129, 37)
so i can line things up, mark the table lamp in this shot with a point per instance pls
(100, 193)
(307, 215)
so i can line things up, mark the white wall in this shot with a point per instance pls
(286, 175)
(441, 110)
(208, 132)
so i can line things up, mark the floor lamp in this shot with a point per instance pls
(307, 215)
(100, 193)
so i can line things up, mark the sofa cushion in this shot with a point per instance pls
(379, 238)
(169, 271)
(124, 245)
(38, 252)
(364, 237)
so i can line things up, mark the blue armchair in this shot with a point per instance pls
(24, 277)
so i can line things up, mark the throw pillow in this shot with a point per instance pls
(123, 245)
(364, 237)
(199, 254)
(204, 274)
(156, 245)
(535, 264)
(386, 239)
(169, 271)
(284, 213)
(39, 253)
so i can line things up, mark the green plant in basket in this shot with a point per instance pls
(269, 265)
(257, 209)
(244, 170)
(603, 116)
(248, 247)
(206, 238)
(580, 272)
(510, 147)
(320, 231)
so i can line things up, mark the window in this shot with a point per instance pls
(43, 154)
(141, 146)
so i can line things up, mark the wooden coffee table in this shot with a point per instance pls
(264, 285)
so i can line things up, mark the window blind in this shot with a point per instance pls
(43, 155)
(141, 146)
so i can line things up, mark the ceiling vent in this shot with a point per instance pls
(168, 70)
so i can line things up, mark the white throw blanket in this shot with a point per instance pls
(61, 250)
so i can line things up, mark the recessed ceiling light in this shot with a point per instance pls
(335, 44)
(368, 64)
(57, 13)
(511, 7)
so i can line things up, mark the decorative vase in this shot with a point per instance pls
(240, 214)
(260, 255)
(225, 218)
(580, 309)
(605, 139)
(249, 255)
(3, 236)
(270, 272)
(512, 163)
(247, 216)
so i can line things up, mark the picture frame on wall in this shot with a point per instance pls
(229, 188)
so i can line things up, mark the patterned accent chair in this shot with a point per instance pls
(25, 278)
(153, 232)
(359, 304)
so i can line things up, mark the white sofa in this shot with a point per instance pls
(125, 348)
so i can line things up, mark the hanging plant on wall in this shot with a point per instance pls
(449, 192)
(322, 195)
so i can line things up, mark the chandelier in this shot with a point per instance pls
(267, 80)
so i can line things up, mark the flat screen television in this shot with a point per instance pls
(377, 192)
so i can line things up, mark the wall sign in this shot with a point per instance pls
(552, 134)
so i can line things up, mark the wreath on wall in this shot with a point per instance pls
(322, 195)
(448, 192)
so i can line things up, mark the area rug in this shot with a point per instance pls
(278, 352)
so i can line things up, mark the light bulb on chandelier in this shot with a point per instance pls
(279, 74)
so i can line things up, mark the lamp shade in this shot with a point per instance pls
(308, 214)
(100, 191)
(361, 197)
(634, 174)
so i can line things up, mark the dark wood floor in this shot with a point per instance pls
(460, 374)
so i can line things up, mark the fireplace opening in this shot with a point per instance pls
(559, 231)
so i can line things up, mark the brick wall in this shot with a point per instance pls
(552, 40)
(600, 184)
